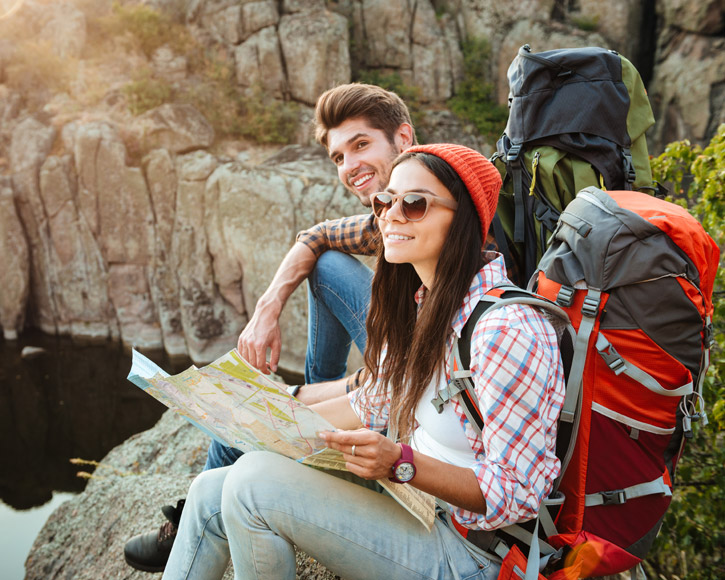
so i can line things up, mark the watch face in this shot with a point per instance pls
(405, 472)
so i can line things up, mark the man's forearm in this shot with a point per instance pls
(319, 392)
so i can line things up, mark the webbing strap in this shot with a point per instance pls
(534, 167)
(637, 571)
(461, 375)
(532, 562)
(555, 500)
(513, 160)
(620, 496)
(499, 235)
(528, 538)
(620, 365)
(705, 363)
(590, 308)
(628, 168)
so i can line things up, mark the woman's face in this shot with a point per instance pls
(418, 243)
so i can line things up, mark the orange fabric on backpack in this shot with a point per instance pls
(513, 566)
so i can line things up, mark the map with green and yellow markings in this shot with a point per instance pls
(240, 407)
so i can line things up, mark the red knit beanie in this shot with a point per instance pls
(481, 178)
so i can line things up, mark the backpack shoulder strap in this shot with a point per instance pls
(461, 383)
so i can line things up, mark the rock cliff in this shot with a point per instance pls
(157, 230)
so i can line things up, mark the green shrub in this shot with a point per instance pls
(586, 23)
(234, 112)
(691, 543)
(474, 100)
(146, 93)
(268, 120)
(147, 28)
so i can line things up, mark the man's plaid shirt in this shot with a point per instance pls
(358, 234)
(519, 382)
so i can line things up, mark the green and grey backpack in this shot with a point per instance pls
(577, 119)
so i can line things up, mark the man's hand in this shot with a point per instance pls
(374, 456)
(261, 333)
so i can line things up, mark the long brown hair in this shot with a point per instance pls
(416, 338)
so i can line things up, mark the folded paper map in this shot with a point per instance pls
(238, 406)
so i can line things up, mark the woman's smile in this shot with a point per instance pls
(394, 236)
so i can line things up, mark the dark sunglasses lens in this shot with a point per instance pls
(414, 206)
(381, 202)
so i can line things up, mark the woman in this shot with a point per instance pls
(433, 217)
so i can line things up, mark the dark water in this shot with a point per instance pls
(69, 401)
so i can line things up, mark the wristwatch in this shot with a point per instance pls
(403, 468)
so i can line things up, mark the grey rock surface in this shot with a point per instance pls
(14, 265)
(316, 54)
(178, 128)
(259, 63)
(688, 88)
(84, 538)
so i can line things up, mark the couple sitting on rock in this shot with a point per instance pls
(432, 208)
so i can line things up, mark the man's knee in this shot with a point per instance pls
(328, 268)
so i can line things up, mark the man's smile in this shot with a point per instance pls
(359, 181)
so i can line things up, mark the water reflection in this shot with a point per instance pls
(68, 401)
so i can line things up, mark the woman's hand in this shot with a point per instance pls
(374, 454)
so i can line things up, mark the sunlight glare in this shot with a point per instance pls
(9, 7)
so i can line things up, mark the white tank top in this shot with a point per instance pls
(441, 436)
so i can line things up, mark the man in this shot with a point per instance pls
(363, 128)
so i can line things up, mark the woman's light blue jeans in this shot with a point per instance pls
(339, 298)
(265, 504)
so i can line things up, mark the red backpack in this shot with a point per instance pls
(635, 275)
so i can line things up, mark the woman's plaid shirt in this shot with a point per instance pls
(519, 381)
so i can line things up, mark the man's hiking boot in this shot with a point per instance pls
(150, 551)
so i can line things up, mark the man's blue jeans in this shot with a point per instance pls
(338, 298)
(257, 510)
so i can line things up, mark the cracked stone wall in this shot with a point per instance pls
(151, 231)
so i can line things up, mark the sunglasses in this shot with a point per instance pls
(414, 206)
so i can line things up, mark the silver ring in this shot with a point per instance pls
(353, 451)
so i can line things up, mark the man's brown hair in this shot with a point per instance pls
(383, 110)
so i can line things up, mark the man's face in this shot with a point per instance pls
(363, 155)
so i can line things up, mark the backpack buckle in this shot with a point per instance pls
(610, 355)
(629, 172)
(590, 306)
(513, 153)
(565, 297)
(614, 497)
(708, 336)
(440, 400)
(454, 386)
